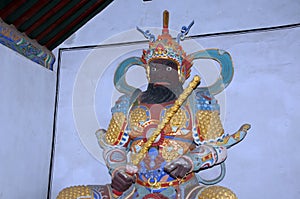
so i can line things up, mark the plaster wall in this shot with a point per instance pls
(26, 122)
(264, 91)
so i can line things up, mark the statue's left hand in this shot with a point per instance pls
(179, 167)
(121, 181)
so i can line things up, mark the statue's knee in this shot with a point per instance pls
(76, 192)
(216, 192)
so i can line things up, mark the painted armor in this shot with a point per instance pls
(195, 132)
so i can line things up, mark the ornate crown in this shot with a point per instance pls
(167, 48)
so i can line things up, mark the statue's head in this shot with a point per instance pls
(165, 56)
(168, 65)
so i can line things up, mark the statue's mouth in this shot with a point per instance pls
(161, 84)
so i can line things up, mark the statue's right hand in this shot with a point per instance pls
(121, 181)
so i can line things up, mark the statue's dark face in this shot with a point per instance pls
(164, 84)
(164, 73)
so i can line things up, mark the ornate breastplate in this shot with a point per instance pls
(173, 141)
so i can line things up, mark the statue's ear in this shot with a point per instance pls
(120, 75)
(226, 73)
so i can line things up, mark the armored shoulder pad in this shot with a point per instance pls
(116, 134)
(205, 100)
(122, 105)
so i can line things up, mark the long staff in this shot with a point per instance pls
(168, 116)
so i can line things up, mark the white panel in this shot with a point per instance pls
(264, 91)
(26, 120)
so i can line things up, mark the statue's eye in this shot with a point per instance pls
(153, 69)
(169, 68)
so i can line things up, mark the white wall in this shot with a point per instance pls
(264, 91)
(26, 120)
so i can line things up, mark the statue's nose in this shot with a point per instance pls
(160, 74)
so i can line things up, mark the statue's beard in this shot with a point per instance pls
(157, 94)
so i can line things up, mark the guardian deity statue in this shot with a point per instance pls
(160, 139)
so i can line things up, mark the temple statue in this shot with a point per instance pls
(160, 139)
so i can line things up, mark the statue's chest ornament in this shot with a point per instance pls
(181, 120)
(143, 120)
(148, 132)
(139, 115)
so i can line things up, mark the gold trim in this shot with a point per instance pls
(152, 184)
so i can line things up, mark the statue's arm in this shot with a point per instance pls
(115, 156)
(201, 157)
(205, 156)
(115, 139)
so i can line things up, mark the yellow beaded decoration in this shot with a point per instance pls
(76, 192)
(209, 124)
(136, 116)
(179, 119)
(115, 127)
(216, 192)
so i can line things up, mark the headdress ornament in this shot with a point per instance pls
(165, 47)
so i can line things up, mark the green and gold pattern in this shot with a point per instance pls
(15, 40)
